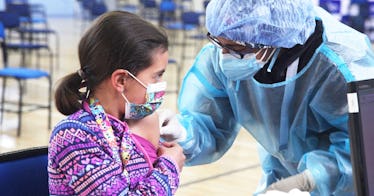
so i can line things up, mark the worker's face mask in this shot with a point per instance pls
(154, 97)
(240, 69)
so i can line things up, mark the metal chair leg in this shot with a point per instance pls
(3, 100)
(20, 106)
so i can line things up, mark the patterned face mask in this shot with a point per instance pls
(154, 97)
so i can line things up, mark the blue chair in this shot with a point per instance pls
(149, 9)
(26, 41)
(91, 9)
(24, 172)
(30, 13)
(192, 30)
(97, 8)
(21, 75)
(30, 16)
(167, 12)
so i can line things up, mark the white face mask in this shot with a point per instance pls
(240, 69)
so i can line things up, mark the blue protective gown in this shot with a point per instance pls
(300, 123)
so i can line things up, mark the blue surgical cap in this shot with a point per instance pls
(278, 23)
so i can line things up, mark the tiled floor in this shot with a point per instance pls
(237, 173)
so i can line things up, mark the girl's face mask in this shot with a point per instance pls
(154, 97)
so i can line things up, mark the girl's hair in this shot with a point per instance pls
(116, 40)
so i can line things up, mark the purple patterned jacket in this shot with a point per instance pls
(81, 162)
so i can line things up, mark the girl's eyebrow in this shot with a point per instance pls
(160, 72)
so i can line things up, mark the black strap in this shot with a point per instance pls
(287, 56)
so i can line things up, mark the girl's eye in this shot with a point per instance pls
(156, 78)
(159, 76)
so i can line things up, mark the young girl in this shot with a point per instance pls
(94, 151)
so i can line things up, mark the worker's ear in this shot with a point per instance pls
(120, 80)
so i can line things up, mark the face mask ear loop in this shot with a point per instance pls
(125, 98)
(88, 93)
(127, 109)
(136, 79)
(272, 62)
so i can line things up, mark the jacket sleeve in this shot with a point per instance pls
(78, 161)
(206, 111)
(165, 174)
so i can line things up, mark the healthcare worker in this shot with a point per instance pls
(280, 69)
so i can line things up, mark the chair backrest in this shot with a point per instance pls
(167, 6)
(149, 3)
(167, 11)
(22, 9)
(8, 2)
(16, 1)
(10, 20)
(87, 4)
(191, 18)
(98, 8)
(2, 32)
(24, 172)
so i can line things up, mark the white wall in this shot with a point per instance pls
(53, 7)
(58, 7)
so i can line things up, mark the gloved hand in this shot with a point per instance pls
(303, 181)
(170, 128)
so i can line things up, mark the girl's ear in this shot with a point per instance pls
(119, 80)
